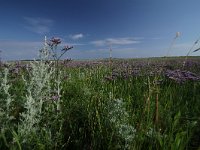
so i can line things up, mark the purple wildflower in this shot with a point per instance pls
(55, 97)
(54, 42)
(181, 76)
(66, 48)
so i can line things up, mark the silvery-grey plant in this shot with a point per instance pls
(5, 99)
(119, 117)
(5, 86)
(6, 106)
(39, 83)
(38, 91)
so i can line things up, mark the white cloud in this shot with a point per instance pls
(156, 38)
(77, 36)
(38, 25)
(14, 44)
(103, 53)
(181, 49)
(99, 42)
(17, 50)
(116, 41)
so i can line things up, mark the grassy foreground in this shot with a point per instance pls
(126, 104)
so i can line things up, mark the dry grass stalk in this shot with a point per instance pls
(173, 41)
(157, 113)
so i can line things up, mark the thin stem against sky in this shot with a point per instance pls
(173, 42)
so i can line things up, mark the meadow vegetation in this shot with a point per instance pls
(149, 103)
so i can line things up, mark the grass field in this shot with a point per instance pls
(151, 103)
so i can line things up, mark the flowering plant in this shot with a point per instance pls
(53, 44)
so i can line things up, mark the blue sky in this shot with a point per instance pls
(134, 28)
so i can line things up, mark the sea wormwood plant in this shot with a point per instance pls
(119, 117)
(6, 109)
(38, 89)
(5, 87)
(5, 99)
(39, 96)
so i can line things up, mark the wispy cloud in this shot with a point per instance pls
(38, 25)
(181, 49)
(156, 38)
(116, 41)
(103, 53)
(17, 50)
(77, 36)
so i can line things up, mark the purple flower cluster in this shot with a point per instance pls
(81, 64)
(54, 42)
(66, 48)
(181, 76)
(55, 97)
(124, 74)
(17, 68)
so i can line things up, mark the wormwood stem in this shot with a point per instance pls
(110, 60)
(156, 119)
(148, 105)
